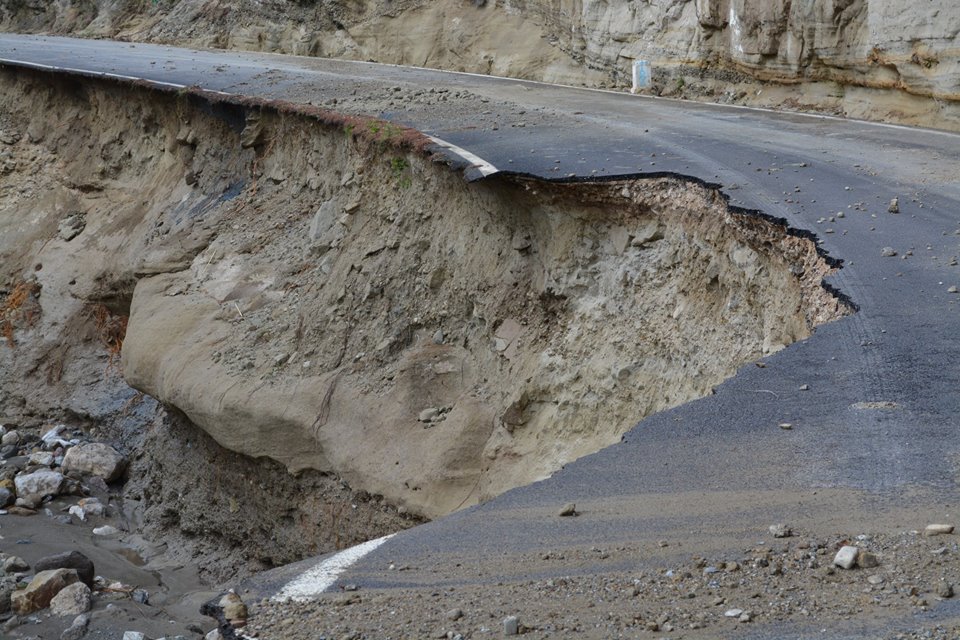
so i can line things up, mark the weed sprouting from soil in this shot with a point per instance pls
(111, 330)
(19, 310)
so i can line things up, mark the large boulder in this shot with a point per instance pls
(32, 488)
(41, 590)
(68, 560)
(95, 459)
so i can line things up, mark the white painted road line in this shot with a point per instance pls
(478, 163)
(315, 581)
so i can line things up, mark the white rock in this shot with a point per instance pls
(95, 459)
(133, 635)
(34, 487)
(429, 415)
(846, 558)
(733, 613)
(42, 458)
(92, 506)
(106, 530)
(511, 626)
(77, 510)
(938, 529)
(71, 601)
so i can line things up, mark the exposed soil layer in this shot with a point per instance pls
(316, 292)
(884, 60)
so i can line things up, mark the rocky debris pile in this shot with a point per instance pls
(35, 469)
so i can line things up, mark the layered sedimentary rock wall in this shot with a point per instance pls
(882, 59)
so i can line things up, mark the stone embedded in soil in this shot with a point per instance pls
(69, 560)
(944, 590)
(867, 560)
(106, 530)
(41, 590)
(234, 610)
(134, 635)
(511, 626)
(16, 564)
(888, 252)
(32, 488)
(78, 629)
(780, 530)
(846, 558)
(10, 437)
(96, 459)
(429, 414)
(894, 206)
(72, 600)
(569, 509)
(41, 458)
(938, 529)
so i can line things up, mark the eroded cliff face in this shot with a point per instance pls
(327, 297)
(888, 60)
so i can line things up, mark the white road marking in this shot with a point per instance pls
(478, 163)
(313, 582)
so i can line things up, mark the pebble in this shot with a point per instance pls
(938, 529)
(780, 530)
(78, 629)
(894, 206)
(733, 613)
(951, 289)
(944, 590)
(875, 579)
(569, 509)
(15, 564)
(846, 558)
(438, 336)
(511, 626)
(454, 614)
(888, 252)
(867, 560)
(133, 635)
(429, 415)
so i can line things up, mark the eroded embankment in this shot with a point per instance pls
(332, 299)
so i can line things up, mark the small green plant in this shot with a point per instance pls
(399, 167)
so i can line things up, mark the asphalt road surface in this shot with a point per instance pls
(875, 435)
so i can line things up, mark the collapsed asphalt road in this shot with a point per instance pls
(870, 400)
